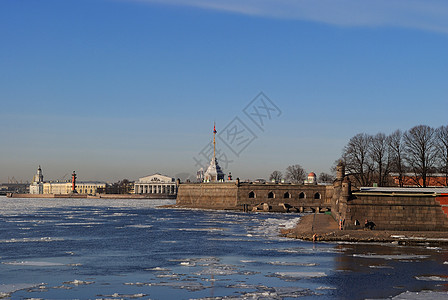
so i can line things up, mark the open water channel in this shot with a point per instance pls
(133, 249)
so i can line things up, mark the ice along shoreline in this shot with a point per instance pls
(321, 227)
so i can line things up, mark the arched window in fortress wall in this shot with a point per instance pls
(302, 195)
(317, 196)
(271, 195)
(287, 195)
(251, 194)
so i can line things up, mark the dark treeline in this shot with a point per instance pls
(120, 187)
(421, 151)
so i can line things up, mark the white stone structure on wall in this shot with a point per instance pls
(156, 184)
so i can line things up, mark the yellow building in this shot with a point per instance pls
(86, 187)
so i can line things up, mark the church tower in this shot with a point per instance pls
(37, 186)
(39, 177)
(214, 172)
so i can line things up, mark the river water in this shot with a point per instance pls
(133, 249)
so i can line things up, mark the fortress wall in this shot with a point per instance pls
(396, 212)
(208, 195)
(283, 194)
(229, 195)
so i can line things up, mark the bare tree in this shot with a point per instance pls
(396, 154)
(295, 174)
(442, 149)
(325, 177)
(276, 176)
(357, 159)
(420, 148)
(380, 157)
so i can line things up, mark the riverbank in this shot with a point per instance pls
(98, 196)
(322, 227)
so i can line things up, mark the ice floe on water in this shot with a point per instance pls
(33, 263)
(267, 293)
(292, 263)
(432, 278)
(79, 224)
(7, 289)
(403, 257)
(202, 229)
(143, 226)
(62, 287)
(270, 228)
(78, 282)
(122, 296)
(158, 269)
(304, 250)
(28, 240)
(203, 261)
(422, 295)
(419, 238)
(326, 288)
(299, 275)
(219, 270)
(137, 283)
(381, 267)
(247, 261)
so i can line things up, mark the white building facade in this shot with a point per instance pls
(156, 184)
(37, 186)
(82, 187)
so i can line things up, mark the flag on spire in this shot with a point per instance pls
(214, 128)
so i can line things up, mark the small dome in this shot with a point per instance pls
(312, 174)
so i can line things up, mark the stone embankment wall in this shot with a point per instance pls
(255, 196)
(397, 211)
(284, 197)
(220, 195)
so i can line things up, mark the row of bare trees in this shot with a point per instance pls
(421, 150)
(296, 174)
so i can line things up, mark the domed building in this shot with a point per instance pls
(37, 186)
(311, 178)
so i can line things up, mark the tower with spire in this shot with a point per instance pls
(37, 186)
(39, 177)
(214, 172)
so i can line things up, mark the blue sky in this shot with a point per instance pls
(123, 89)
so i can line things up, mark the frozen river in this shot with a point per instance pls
(131, 249)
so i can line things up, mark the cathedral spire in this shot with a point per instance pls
(214, 172)
(214, 141)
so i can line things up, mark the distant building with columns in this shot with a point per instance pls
(156, 184)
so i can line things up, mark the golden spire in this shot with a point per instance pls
(214, 142)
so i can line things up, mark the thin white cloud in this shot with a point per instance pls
(429, 15)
